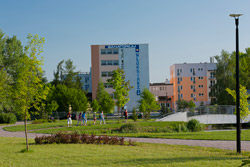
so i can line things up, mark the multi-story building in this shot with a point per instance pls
(86, 81)
(192, 81)
(163, 93)
(132, 58)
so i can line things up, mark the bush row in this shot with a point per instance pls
(8, 118)
(192, 125)
(76, 138)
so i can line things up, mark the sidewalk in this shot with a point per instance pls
(228, 145)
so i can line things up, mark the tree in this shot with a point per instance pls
(65, 96)
(182, 104)
(5, 91)
(191, 106)
(244, 105)
(58, 74)
(226, 73)
(147, 103)
(103, 97)
(29, 89)
(121, 87)
(95, 106)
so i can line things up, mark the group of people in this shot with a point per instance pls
(83, 118)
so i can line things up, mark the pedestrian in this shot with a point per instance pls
(126, 115)
(84, 118)
(102, 118)
(94, 117)
(69, 119)
(79, 120)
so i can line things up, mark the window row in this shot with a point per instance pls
(109, 51)
(193, 95)
(109, 62)
(108, 85)
(107, 73)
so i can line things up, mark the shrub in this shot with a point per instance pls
(39, 121)
(135, 117)
(77, 138)
(194, 125)
(130, 127)
(180, 127)
(8, 118)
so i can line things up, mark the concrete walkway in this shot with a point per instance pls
(229, 145)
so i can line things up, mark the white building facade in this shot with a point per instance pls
(132, 58)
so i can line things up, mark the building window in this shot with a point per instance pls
(109, 62)
(109, 51)
(107, 73)
(103, 51)
(191, 70)
(86, 87)
(200, 86)
(103, 62)
(86, 79)
(180, 96)
(212, 75)
(200, 69)
(108, 85)
(179, 79)
(179, 71)
(115, 62)
(180, 87)
(115, 51)
(104, 74)
(200, 77)
(201, 94)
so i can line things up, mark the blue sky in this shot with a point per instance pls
(177, 31)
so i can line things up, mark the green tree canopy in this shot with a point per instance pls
(104, 99)
(147, 103)
(121, 87)
(244, 105)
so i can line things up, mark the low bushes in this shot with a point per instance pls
(8, 118)
(62, 138)
(129, 128)
(194, 125)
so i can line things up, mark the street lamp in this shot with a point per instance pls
(236, 17)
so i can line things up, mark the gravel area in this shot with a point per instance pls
(229, 145)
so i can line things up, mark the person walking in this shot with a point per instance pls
(79, 120)
(94, 117)
(69, 119)
(102, 118)
(84, 118)
(126, 115)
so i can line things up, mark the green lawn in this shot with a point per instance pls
(111, 129)
(109, 155)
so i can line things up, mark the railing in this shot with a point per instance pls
(164, 115)
(216, 109)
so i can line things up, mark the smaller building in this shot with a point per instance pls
(163, 93)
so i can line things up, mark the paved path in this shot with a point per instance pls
(229, 145)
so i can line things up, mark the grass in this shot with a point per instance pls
(109, 155)
(111, 129)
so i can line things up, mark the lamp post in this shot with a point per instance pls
(236, 17)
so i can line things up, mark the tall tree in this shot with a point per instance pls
(104, 99)
(58, 74)
(225, 75)
(29, 89)
(244, 105)
(121, 87)
(224, 78)
(147, 103)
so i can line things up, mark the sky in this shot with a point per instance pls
(177, 31)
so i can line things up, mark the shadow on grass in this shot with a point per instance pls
(145, 161)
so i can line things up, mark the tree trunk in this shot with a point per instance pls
(26, 136)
